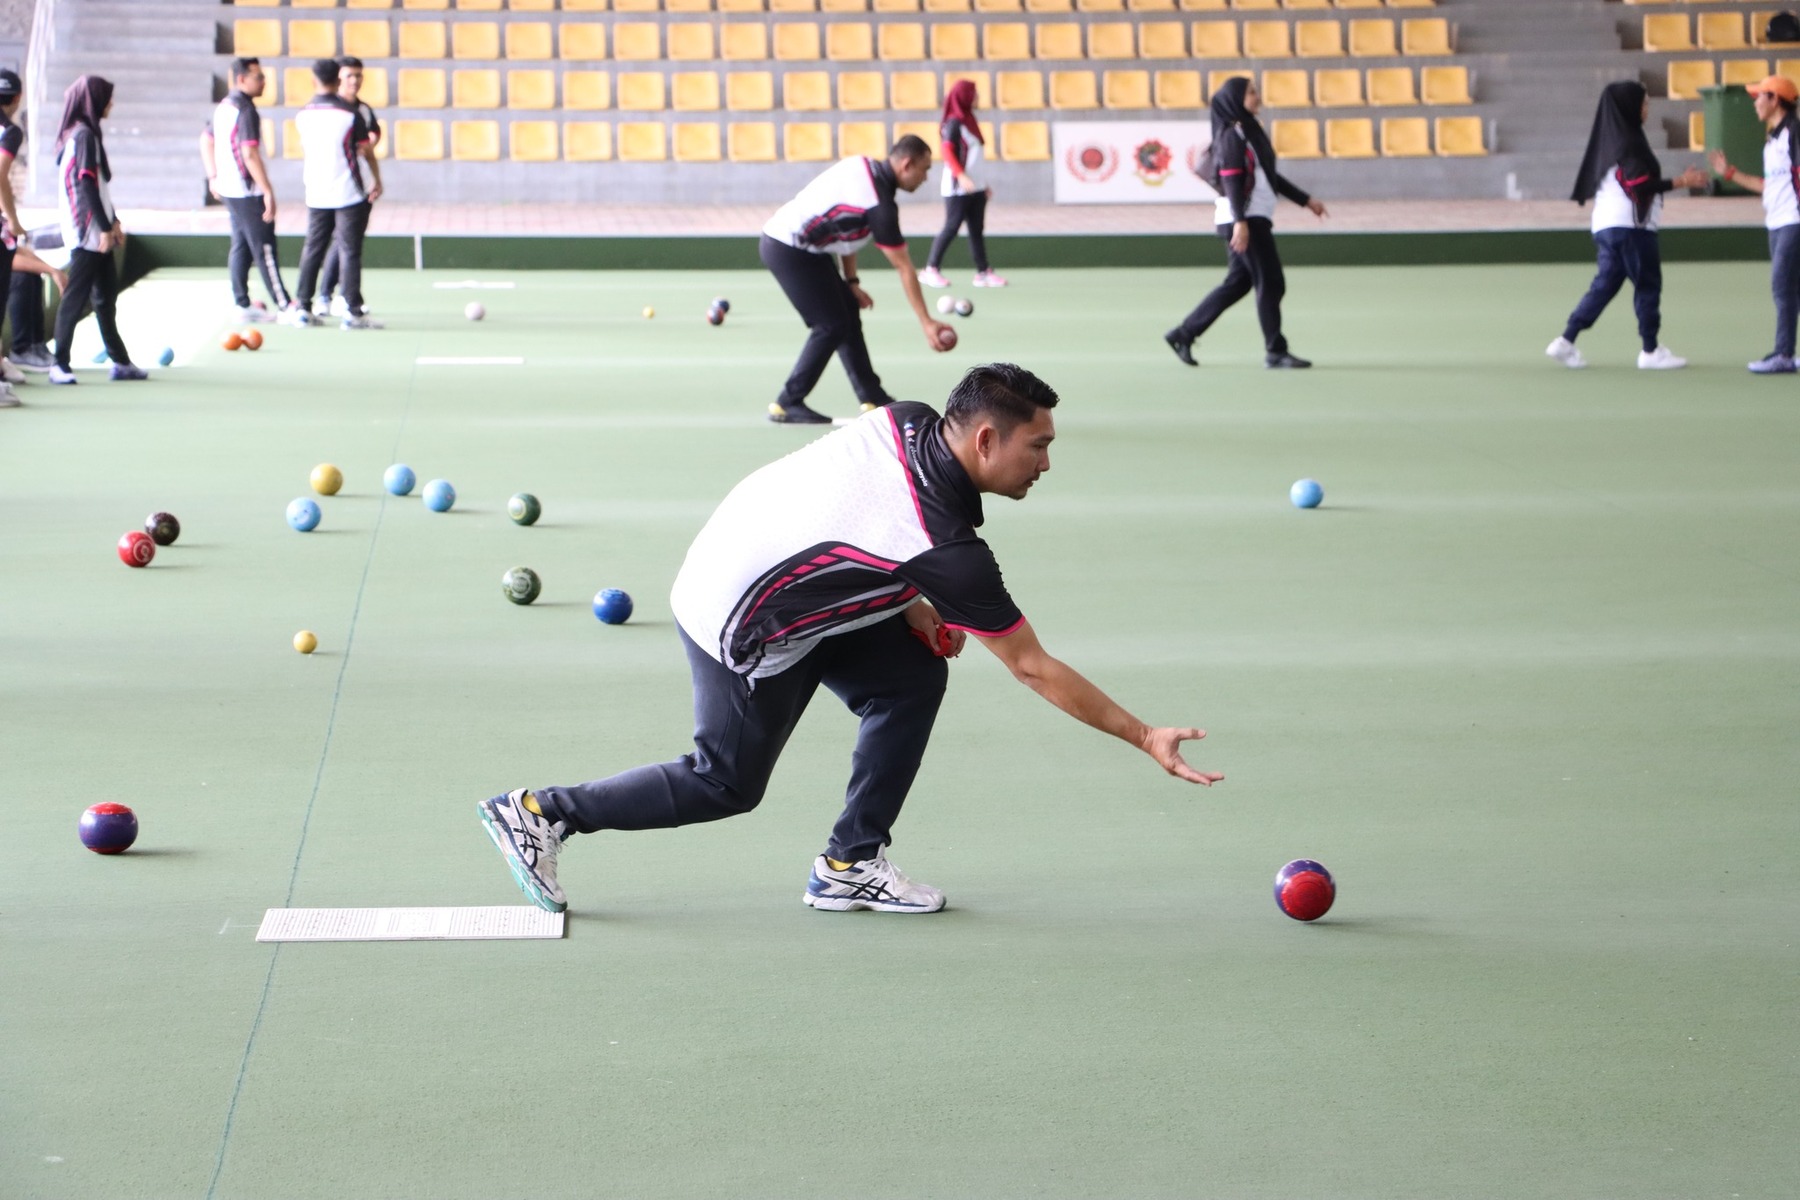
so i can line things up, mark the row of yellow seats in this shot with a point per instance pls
(1401, 137)
(1672, 32)
(843, 41)
(844, 6)
(1687, 77)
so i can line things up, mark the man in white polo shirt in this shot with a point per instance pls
(336, 144)
(795, 583)
(813, 237)
(231, 152)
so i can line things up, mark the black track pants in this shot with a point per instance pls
(1259, 267)
(253, 241)
(93, 281)
(824, 301)
(342, 230)
(957, 210)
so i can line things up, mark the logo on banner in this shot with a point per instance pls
(1092, 163)
(1153, 158)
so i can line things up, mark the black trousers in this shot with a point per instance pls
(25, 308)
(957, 210)
(6, 274)
(1259, 267)
(340, 229)
(1633, 254)
(93, 282)
(253, 240)
(882, 674)
(824, 301)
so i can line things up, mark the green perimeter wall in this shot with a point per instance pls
(1737, 243)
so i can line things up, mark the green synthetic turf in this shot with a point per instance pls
(1526, 683)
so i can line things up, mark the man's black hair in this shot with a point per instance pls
(326, 71)
(910, 146)
(349, 62)
(1005, 394)
(240, 67)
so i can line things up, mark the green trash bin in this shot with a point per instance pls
(1732, 126)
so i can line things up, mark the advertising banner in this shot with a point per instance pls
(1129, 162)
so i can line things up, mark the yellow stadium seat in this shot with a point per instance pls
(1349, 137)
(1412, 3)
(999, 6)
(694, 91)
(587, 141)
(749, 91)
(744, 43)
(806, 141)
(1255, 5)
(740, 6)
(1373, 39)
(1450, 85)
(1342, 87)
(849, 41)
(297, 85)
(982, 87)
(1162, 39)
(1049, 6)
(368, 39)
(947, 6)
(528, 41)
(896, 6)
(913, 91)
(635, 6)
(478, 5)
(253, 38)
(1743, 70)
(581, 42)
(642, 91)
(1421, 36)
(1006, 41)
(533, 141)
(1718, 31)
(750, 141)
(1111, 39)
(806, 91)
(1687, 77)
(1150, 5)
(423, 39)
(953, 42)
(843, 6)
(1305, 4)
(479, 88)
(532, 5)
(1215, 39)
(531, 89)
(1295, 139)
(1358, 3)
(1286, 89)
(868, 138)
(1667, 32)
(290, 141)
(1059, 40)
(690, 42)
(1178, 89)
(1405, 137)
(1125, 89)
(429, 4)
(422, 87)
(1218, 79)
(1788, 68)
(1024, 141)
(796, 41)
(636, 43)
(862, 91)
(304, 4)
(1696, 130)
(586, 91)
(1073, 90)
(925, 131)
(1204, 5)
(900, 41)
(697, 141)
(368, 3)
(1318, 39)
(1391, 86)
(790, 6)
(418, 141)
(475, 40)
(1266, 39)
(643, 141)
(1019, 89)
(1460, 137)
(1100, 5)
(375, 87)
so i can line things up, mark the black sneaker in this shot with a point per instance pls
(1183, 347)
(796, 414)
(1285, 362)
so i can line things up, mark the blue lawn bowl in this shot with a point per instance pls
(1306, 493)
(166, 357)
(303, 514)
(101, 358)
(399, 479)
(612, 606)
(439, 495)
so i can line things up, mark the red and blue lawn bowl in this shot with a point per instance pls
(108, 828)
(1304, 890)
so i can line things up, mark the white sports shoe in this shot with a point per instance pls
(874, 883)
(989, 278)
(1564, 352)
(362, 321)
(8, 398)
(529, 844)
(1661, 360)
(296, 316)
(10, 373)
(250, 314)
(932, 277)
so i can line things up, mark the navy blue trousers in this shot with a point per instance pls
(882, 674)
(1633, 254)
(1784, 281)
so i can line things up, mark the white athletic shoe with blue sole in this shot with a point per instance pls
(529, 844)
(874, 883)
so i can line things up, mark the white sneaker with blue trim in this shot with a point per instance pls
(874, 883)
(530, 844)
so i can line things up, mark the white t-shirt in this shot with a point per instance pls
(850, 203)
(235, 125)
(1262, 195)
(958, 135)
(1780, 207)
(331, 130)
(1613, 208)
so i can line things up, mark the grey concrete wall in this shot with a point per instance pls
(15, 19)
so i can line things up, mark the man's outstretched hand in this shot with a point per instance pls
(1164, 745)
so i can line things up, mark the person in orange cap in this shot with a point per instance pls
(1776, 99)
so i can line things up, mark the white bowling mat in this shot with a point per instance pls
(407, 924)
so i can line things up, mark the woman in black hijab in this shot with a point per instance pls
(1620, 174)
(1247, 182)
(90, 228)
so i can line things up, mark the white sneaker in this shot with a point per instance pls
(364, 321)
(296, 316)
(8, 399)
(1564, 352)
(250, 314)
(874, 883)
(1660, 360)
(338, 307)
(10, 373)
(989, 278)
(529, 844)
(932, 277)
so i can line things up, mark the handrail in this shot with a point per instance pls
(37, 61)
